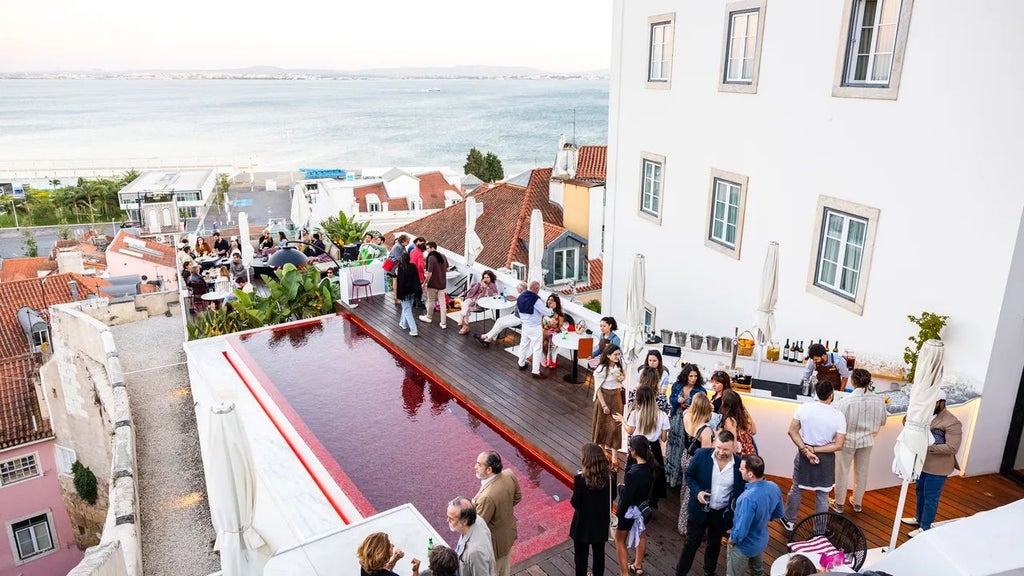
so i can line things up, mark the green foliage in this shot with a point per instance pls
(474, 163)
(84, 201)
(220, 191)
(295, 295)
(593, 306)
(29, 247)
(343, 230)
(85, 482)
(929, 328)
(64, 232)
(485, 167)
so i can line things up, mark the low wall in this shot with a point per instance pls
(139, 308)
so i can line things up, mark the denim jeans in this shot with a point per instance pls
(929, 488)
(408, 320)
(736, 563)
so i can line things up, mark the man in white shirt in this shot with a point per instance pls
(819, 431)
(865, 414)
(531, 309)
(505, 322)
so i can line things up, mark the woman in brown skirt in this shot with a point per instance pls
(608, 378)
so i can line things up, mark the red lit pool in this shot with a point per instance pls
(388, 434)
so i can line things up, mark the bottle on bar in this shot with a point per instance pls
(803, 353)
(826, 346)
(794, 353)
(785, 351)
(819, 342)
(836, 347)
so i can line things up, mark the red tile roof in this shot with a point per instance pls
(21, 419)
(362, 191)
(595, 270)
(592, 163)
(25, 268)
(38, 294)
(504, 225)
(162, 255)
(432, 188)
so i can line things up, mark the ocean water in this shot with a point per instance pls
(286, 124)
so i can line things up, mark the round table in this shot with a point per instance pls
(496, 303)
(211, 296)
(779, 566)
(570, 341)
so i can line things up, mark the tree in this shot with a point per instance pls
(492, 168)
(29, 247)
(474, 163)
(220, 192)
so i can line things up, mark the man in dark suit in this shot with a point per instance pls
(715, 483)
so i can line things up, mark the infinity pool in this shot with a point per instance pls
(388, 434)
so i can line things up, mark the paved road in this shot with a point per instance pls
(12, 242)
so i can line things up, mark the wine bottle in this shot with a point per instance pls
(792, 352)
(826, 346)
(836, 347)
(819, 342)
(802, 356)
(785, 351)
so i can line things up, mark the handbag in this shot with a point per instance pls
(694, 445)
(646, 511)
(388, 265)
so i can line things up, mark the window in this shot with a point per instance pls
(843, 244)
(744, 28)
(66, 458)
(415, 204)
(726, 206)
(659, 56)
(373, 207)
(874, 40)
(187, 196)
(648, 318)
(18, 469)
(652, 178)
(32, 536)
(566, 264)
(519, 270)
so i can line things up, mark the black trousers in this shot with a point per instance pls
(580, 552)
(715, 526)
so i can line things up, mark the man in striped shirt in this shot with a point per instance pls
(865, 414)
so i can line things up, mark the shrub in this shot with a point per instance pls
(85, 482)
(593, 306)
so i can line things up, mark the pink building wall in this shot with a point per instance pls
(123, 265)
(30, 498)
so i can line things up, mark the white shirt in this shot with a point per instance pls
(721, 483)
(608, 377)
(819, 423)
(654, 435)
(488, 480)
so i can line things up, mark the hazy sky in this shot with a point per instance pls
(555, 35)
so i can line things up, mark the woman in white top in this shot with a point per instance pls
(645, 419)
(608, 378)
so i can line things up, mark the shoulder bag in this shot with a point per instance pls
(694, 444)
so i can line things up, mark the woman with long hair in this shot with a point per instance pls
(800, 565)
(592, 493)
(487, 286)
(202, 248)
(645, 419)
(636, 489)
(378, 556)
(407, 290)
(608, 379)
(737, 420)
(552, 325)
(689, 384)
(697, 433)
(720, 382)
(653, 373)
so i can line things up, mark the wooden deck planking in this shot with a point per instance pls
(554, 417)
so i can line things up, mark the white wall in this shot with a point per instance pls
(933, 162)
(403, 187)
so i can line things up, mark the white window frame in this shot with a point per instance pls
(743, 85)
(650, 314)
(844, 85)
(373, 206)
(35, 465)
(519, 271)
(853, 302)
(645, 206)
(415, 204)
(65, 458)
(12, 539)
(721, 245)
(667, 24)
(555, 279)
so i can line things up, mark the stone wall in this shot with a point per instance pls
(86, 519)
(139, 308)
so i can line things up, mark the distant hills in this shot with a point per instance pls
(277, 73)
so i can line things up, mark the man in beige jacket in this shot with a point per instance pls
(940, 462)
(498, 495)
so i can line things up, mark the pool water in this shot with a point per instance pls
(392, 433)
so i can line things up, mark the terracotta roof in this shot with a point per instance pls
(432, 188)
(595, 270)
(504, 225)
(378, 189)
(21, 419)
(24, 268)
(592, 163)
(38, 294)
(154, 252)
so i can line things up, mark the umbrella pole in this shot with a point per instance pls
(899, 515)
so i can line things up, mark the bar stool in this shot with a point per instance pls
(362, 282)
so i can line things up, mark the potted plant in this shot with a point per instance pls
(929, 327)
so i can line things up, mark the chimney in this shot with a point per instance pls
(74, 289)
(70, 261)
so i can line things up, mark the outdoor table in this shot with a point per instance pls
(212, 296)
(571, 342)
(496, 303)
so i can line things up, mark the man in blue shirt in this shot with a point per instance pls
(760, 503)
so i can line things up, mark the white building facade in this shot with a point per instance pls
(189, 190)
(847, 131)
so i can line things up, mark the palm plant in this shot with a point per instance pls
(342, 229)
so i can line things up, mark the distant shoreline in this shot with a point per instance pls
(301, 77)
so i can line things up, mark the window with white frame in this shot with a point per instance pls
(566, 262)
(659, 53)
(649, 311)
(843, 243)
(874, 41)
(726, 207)
(18, 469)
(651, 181)
(519, 270)
(415, 204)
(66, 458)
(742, 47)
(32, 536)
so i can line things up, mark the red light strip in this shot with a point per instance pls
(302, 459)
(473, 409)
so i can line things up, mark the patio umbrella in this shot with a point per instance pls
(300, 209)
(473, 245)
(633, 328)
(912, 443)
(246, 243)
(536, 272)
(232, 485)
(769, 297)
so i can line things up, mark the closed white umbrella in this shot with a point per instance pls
(536, 272)
(633, 328)
(769, 297)
(913, 441)
(473, 244)
(300, 209)
(232, 486)
(246, 242)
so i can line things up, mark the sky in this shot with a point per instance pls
(113, 35)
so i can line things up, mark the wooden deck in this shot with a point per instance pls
(554, 418)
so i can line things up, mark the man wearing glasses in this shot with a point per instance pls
(865, 414)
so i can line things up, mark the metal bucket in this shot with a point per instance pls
(712, 343)
(681, 339)
(666, 336)
(696, 341)
(727, 344)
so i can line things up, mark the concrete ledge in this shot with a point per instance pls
(103, 560)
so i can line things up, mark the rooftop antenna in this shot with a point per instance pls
(573, 127)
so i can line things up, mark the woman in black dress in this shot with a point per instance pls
(636, 489)
(592, 493)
